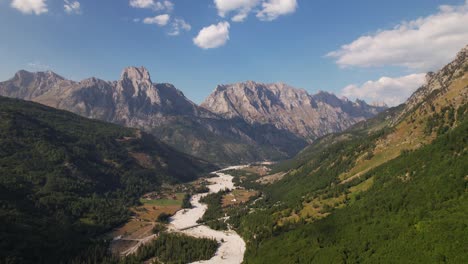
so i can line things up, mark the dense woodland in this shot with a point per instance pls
(214, 212)
(65, 180)
(414, 212)
(173, 249)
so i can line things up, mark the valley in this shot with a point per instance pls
(139, 231)
(233, 132)
(391, 188)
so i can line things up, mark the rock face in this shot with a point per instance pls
(438, 83)
(307, 116)
(237, 124)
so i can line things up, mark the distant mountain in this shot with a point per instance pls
(391, 189)
(307, 116)
(65, 179)
(135, 101)
(237, 124)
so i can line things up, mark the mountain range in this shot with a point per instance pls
(237, 123)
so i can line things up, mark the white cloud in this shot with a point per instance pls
(151, 4)
(213, 36)
(392, 91)
(272, 9)
(72, 7)
(38, 66)
(30, 6)
(423, 44)
(160, 20)
(179, 25)
(141, 3)
(267, 10)
(242, 8)
(164, 5)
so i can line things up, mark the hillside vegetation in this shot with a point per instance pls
(65, 179)
(392, 189)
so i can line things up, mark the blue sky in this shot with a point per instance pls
(391, 44)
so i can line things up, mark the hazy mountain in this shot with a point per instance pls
(288, 108)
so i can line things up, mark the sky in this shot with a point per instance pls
(378, 51)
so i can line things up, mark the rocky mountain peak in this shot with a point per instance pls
(23, 75)
(287, 108)
(136, 74)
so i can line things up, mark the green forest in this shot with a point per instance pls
(414, 212)
(214, 211)
(173, 249)
(65, 180)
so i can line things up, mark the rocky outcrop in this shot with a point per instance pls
(287, 108)
(437, 84)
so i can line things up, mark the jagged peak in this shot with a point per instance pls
(325, 96)
(379, 104)
(22, 74)
(136, 73)
(324, 93)
(253, 84)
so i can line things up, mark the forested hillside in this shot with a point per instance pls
(414, 212)
(392, 189)
(65, 179)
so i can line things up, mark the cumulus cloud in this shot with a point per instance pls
(272, 9)
(72, 7)
(267, 10)
(179, 25)
(241, 8)
(141, 3)
(151, 4)
(213, 36)
(160, 20)
(30, 6)
(392, 91)
(424, 44)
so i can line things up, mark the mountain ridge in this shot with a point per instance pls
(286, 107)
(161, 109)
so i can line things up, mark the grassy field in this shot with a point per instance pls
(237, 197)
(165, 201)
(144, 219)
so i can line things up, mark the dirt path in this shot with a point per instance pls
(140, 243)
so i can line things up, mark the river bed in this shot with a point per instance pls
(232, 246)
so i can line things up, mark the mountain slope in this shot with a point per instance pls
(414, 212)
(65, 179)
(288, 108)
(389, 189)
(135, 101)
